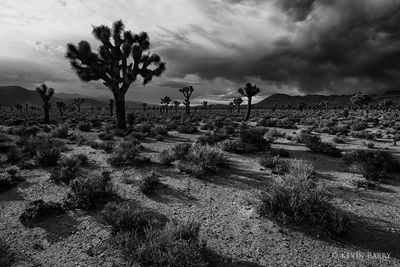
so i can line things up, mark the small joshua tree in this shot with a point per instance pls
(111, 107)
(249, 91)
(385, 104)
(78, 102)
(238, 101)
(230, 106)
(187, 93)
(61, 107)
(18, 107)
(176, 104)
(121, 59)
(45, 93)
(165, 101)
(144, 106)
(301, 106)
(360, 100)
(205, 104)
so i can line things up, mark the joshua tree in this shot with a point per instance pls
(176, 105)
(249, 91)
(165, 101)
(205, 104)
(230, 106)
(144, 106)
(45, 93)
(61, 107)
(301, 106)
(111, 65)
(360, 99)
(323, 105)
(187, 93)
(385, 104)
(111, 108)
(78, 102)
(238, 101)
(18, 107)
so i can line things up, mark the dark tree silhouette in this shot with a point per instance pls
(111, 107)
(45, 93)
(176, 105)
(386, 104)
(19, 107)
(205, 103)
(238, 101)
(61, 107)
(187, 93)
(230, 106)
(360, 99)
(301, 106)
(165, 101)
(249, 91)
(111, 65)
(144, 105)
(78, 102)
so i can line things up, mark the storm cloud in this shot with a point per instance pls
(286, 46)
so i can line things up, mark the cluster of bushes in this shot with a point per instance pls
(250, 140)
(374, 165)
(128, 153)
(68, 168)
(145, 240)
(10, 179)
(314, 143)
(7, 257)
(297, 199)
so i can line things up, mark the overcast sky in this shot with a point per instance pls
(285, 46)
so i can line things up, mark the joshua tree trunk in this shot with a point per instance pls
(238, 108)
(46, 113)
(119, 100)
(248, 109)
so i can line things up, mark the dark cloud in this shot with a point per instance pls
(176, 84)
(336, 46)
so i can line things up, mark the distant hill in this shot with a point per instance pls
(333, 100)
(12, 95)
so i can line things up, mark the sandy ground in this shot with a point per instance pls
(224, 204)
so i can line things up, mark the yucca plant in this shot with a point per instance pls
(249, 91)
(46, 94)
(176, 105)
(112, 64)
(78, 102)
(238, 101)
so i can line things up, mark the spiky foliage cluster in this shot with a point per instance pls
(187, 93)
(122, 57)
(360, 99)
(385, 104)
(46, 94)
(165, 101)
(78, 102)
(238, 101)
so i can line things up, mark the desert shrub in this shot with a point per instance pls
(6, 256)
(374, 165)
(202, 160)
(369, 145)
(128, 155)
(297, 199)
(39, 210)
(89, 191)
(275, 163)
(107, 146)
(250, 140)
(5, 138)
(363, 135)
(106, 136)
(60, 131)
(358, 125)
(340, 139)
(281, 152)
(160, 130)
(181, 150)
(176, 245)
(128, 217)
(166, 157)
(187, 129)
(228, 129)
(149, 183)
(211, 139)
(6, 146)
(69, 168)
(84, 126)
(10, 179)
(314, 143)
(14, 155)
(48, 156)
(25, 131)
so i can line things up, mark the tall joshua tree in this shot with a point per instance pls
(187, 93)
(166, 100)
(176, 105)
(249, 91)
(45, 93)
(205, 103)
(111, 65)
(238, 101)
(78, 102)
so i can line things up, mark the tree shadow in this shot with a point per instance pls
(57, 227)
(167, 194)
